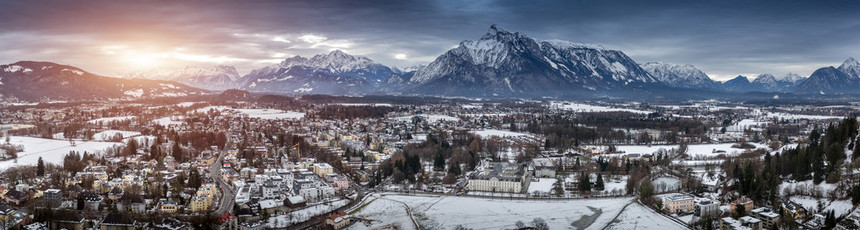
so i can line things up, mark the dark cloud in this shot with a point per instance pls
(724, 38)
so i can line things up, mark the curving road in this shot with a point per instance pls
(228, 195)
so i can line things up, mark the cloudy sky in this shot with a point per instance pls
(723, 38)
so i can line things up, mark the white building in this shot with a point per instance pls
(499, 177)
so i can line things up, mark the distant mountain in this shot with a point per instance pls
(739, 84)
(831, 80)
(502, 63)
(33, 81)
(681, 76)
(332, 73)
(793, 78)
(213, 77)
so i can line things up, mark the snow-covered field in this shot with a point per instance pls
(839, 207)
(706, 150)
(109, 119)
(269, 114)
(365, 104)
(168, 121)
(500, 133)
(51, 151)
(447, 212)
(584, 108)
(301, 215)
(108, 134)
(637, 216)
(430, 118)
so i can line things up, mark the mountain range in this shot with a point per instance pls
(498, 64)
(34, 81)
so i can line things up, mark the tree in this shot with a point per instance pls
(646, 189)
(740, 210)
(40, 168)
(599, 183)
(455, 169)
(540, 224)
(194, 180)
(584, 182)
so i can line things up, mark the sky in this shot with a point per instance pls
(722, 38)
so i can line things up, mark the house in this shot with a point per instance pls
(131, 203)
(794, 210)
(543, 167)
(706, 208)
(499, 177)
(227, 221)
(850, 222)
(115, 193)
(338, 221)
(16, 197)
(677, 202)
(169, 207)
(67, 219)
(711, 182)
(744, 223)
(747, 204)
(294, 202)
(118, 221)
(91, 200)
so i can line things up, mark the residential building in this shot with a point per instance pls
(67, 219)
(338, 221)
(706, 208)
(117, 221)
(169, 207)
(677, 202)
(794, 210)
(543, 167)
(768, 216)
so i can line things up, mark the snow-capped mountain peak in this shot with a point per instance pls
(791, 77)
(207, 77)
(851, 67)
(685, 76)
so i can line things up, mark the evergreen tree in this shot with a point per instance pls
(599, 183)
(40, 168)
(584, 182)
(455, 168)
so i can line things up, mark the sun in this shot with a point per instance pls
(143, 60)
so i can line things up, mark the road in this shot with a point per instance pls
(228, 194)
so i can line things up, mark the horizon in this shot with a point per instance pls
(722, 39)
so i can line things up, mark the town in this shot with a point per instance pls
(238, 161)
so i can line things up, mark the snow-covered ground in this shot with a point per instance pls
(269, 114)
(365, 104)
(543, 185)
(108, 134)
(168, 121)
(301, 215)
(431, 118)
(706, 150)
(109, 119)
(584, 108)
(500, 133)
(637, 216)
(447, 212)
(51, 151)
(839, 207)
